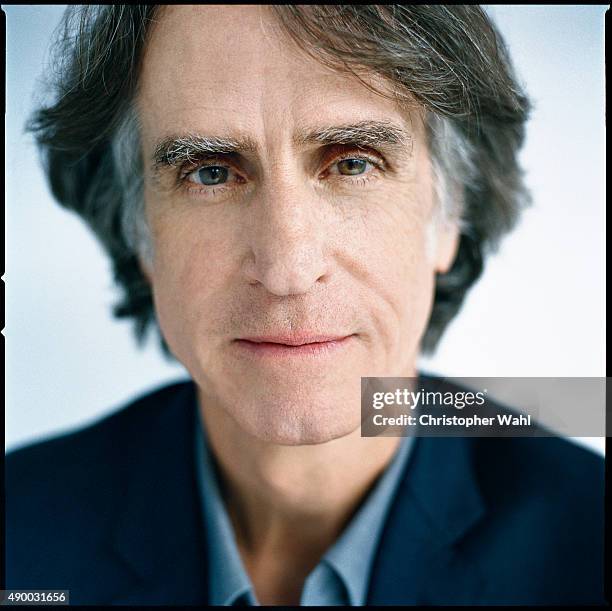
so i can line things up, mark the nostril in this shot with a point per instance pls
(285, 271)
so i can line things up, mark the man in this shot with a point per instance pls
(298, 197)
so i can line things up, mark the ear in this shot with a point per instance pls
(446, 246)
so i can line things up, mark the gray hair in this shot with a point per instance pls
(449, 58)
(127, 157)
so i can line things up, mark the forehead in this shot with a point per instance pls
(232, 68)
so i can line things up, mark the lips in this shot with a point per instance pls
(296, 345)
(295, 339)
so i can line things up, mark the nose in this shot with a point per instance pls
(287, 240)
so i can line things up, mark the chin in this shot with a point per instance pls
(303, 423)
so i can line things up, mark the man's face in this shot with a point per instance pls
(308, 230)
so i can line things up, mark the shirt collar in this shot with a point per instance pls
(228, 579)
(353, 553)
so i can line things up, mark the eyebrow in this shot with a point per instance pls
(186, 149)
(190, 148)
(363, 133)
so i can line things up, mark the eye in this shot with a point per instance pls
(355, 168)
(209, 175)
(352, 167)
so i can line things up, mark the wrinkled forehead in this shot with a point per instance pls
(233, 68)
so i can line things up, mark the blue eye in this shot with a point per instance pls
(211, 175)
(352, 167)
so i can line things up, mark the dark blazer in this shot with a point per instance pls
(110, 512)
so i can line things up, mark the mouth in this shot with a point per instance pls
(302, 345)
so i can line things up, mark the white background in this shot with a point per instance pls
(537, 311)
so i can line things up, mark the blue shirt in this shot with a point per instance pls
(343, 573)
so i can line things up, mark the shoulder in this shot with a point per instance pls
(541, 465)
(112, 428)
(83, 460)
(540, 532)
(65, 495)
(555, 474)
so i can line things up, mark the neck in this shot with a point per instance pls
(292, 501)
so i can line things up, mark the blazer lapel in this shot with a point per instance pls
(437, 502)
(160, 534)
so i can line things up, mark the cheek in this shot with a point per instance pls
(404, 274)
(397, 275)
(192, 268)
